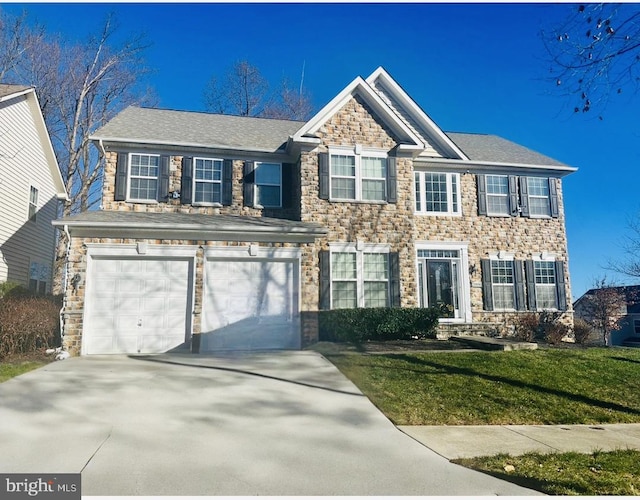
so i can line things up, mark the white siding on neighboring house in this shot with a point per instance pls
(26, 246)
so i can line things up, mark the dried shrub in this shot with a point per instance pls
(28, 324)
(582, 331)
(527, 327)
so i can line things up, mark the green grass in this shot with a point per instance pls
(548, 386)
(600, 473)
(10, 369)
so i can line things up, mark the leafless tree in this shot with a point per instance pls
(604, 307)
(16, 38)
(595, 53)
(244, 91)
(629, 266)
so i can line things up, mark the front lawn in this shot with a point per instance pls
(12, 367)
(596, 474)
(547, 386)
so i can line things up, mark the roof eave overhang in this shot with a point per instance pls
(19, 93)
(230, 232)
(561, 170)
(109, 142)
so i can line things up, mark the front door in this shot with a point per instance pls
(439, 280)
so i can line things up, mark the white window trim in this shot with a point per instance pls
(256, 184)
(359, 249)
(503, 257)
(34, 217)
(423, 194)
(195, 181)
(465, 283)
(487, 195)
(141, 200)
(530, 196)
(545, 258)
(358, 152)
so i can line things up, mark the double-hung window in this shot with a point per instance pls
(545, 284)
(143, 176)
(33, 204)
(207, 180)
(503, 284)
(268, 184)
(497, 195)
(538, 191)
(436, 193)
(359, 278)
(358, 174)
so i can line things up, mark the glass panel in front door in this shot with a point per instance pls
(442, 287)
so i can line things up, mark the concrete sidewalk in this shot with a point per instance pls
(466, 441)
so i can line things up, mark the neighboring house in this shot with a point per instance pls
(629, 313)
(229, 232)
(31, 187)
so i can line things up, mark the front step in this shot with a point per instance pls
(446, 330)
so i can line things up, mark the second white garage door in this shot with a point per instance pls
(137, 305)
(250, 304)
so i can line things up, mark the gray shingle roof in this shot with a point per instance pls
(6, 89)
(184, 221)
(163, 126)
(491, 148)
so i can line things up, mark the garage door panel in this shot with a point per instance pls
(137, 305)
(250, 304)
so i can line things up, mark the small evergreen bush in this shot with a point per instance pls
(377, 323)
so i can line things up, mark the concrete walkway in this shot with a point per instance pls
(466, 441)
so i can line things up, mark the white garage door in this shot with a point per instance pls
(137, 305)
(250, 304)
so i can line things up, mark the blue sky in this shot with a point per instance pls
(471, 67)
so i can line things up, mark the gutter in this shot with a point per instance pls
(65, 281)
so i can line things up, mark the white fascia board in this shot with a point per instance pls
(16, 94)
(176, 144)
(373, 99)
(487, 165)
(416, 111)
(45, 139)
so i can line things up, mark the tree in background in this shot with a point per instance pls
(604, 306)
(631, 246)
(595, 53)
(80, 87)
(243, 91)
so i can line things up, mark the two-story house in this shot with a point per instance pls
(226, 232)
(31, 186)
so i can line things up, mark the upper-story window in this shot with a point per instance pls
(358, 175)
(268, 184)
(436, 193)
(143, 176)
(33, 204)
(207, 180)
(498, 195)
(538, 196)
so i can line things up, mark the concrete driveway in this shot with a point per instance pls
(277, 423)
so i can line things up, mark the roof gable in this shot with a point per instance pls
(410, 141)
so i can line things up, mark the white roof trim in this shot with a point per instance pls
(423, 163)
(361, 87)
(16, 94)
(416, 112)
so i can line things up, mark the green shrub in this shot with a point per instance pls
(28, 324)
(377, 323)
(582, 331)
(10, 289)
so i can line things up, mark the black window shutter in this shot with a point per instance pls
(531, 285)
(163, 184)
(553, 197)
(482, 194)
(248, 179)
(323, 173)
(227, 182)
(560, 286)
(186, 181)
(487, 290)
(120, 193)
(524, 197)
(324, 257)
(513, 195)
(394, 279)
(392, 181)
(521, 302)
(287, 184)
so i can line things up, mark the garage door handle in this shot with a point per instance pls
(140, 322)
